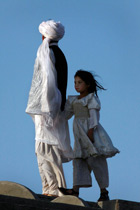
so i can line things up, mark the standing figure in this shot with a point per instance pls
(92, 144)
(46, 103)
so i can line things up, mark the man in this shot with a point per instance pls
(46, 104)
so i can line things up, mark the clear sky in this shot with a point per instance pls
(102, 36)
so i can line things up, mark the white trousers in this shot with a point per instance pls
(82, 172)
(50, 168)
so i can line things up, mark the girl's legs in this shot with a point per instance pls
(81, 177)
(81, 174)
(100, 169)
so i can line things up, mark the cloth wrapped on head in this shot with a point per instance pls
(52, 30)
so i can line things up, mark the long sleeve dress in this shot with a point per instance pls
(86, 116)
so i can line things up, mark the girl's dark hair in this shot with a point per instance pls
(89, 79)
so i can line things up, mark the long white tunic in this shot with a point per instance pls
(86, 112)
(44, 103)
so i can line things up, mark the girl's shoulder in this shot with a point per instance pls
(93, 102)
(90, 100)
(71, 98)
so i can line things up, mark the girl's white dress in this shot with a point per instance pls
(86, 112)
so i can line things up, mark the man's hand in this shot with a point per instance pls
(90, 135)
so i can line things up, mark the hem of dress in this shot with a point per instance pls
(106, 155)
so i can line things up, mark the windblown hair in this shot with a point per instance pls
(89, 79)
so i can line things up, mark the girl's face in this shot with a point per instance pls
(80, 86)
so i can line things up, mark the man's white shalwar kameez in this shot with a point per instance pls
(51, 129)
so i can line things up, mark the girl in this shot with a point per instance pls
(92, 144)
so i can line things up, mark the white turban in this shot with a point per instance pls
(52, 30)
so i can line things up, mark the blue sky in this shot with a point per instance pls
(102, 36)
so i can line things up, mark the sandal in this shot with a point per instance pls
(104, 196)
(50, 195)
(68, 191)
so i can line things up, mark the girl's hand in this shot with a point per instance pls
(90, 135)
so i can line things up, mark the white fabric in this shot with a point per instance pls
(50, 168)
(44, 97)
(94, 118)
(45, 100)
(82, 169)
(56, 135)
(83, 147)
(52, 30)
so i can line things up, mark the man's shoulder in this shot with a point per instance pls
(58, 53)
(55, 48)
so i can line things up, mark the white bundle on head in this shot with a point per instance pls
(52, 30)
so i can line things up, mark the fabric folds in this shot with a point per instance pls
(45, 101)
(82, 109)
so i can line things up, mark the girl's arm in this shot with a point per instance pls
(93, 122)
(90, 134)
(68, 111)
